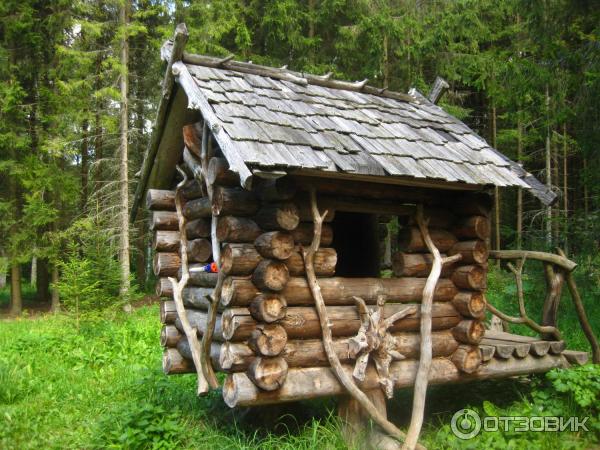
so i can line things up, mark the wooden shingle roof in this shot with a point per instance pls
(274, 119)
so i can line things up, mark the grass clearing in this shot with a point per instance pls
(103, 387)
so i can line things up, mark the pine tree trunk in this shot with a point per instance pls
(565, 189)
(42, 280)
(124, 161)
(519, 190)
(548, 170)
(55, 304)
(33, 274)
(84, 164)
(16, 298)
(497, 244)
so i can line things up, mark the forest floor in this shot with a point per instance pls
(101, 386)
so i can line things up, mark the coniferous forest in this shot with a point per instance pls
(80, 82)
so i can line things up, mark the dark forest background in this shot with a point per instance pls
(525, 75)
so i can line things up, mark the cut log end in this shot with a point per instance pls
(268, 339)
(275, 244)
(174, 363)
(469, 331)
(268, 307)
(268, 374)
(467, 358)
(270, 275)
(169, 336)
(470, 304)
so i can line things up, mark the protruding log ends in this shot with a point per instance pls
(467, 358)
(158, 199)
(410, 240)
(199, 250)
(233, 201)
(473, 252)
(279, 216)
(470, 304)
(275, 244)
(164, 288)
(166, 241)
(270, 275)
(219, 173)
(173, 362)
(239, 259)
(164, 220)
(268, 307)
(169, 336)
(470, 277)
(237, 229)
(469, 331)
(324, 262)
(168, 312)
(268, 339)
(474, 227)
(304, 233)
(268, 374)
(166, 264)
(197, 208)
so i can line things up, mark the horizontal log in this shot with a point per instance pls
(358, 205)
(192, 138)
(470, 277)
(305, 211)
(239, 259)
(315, 382)
(237, 229)
(437, 217)
(198, 228)
(237, 357)
(160, 200)
(166, 264)
(164, 220)
(278, 216)
(169, 336)
(325, 260)
(199, 250)
(268, 373)
(267, 339)
(233, 202)
(303, 322)
(197, 320)
(192, 189)
(469, 331)
(268, 307)
(183, 347)
(304, 233)
(410, 240)
(197, 208)
(473, 227)
(340, 291)
(467, 358)
(277, 190)
(275, 244)
(166, 241)
(174, 363)
(470, 304)
(197, 297)
(472, 252)
(417, 265)
(199, 277)
(219, 173)
(164, 288)
(168, 312)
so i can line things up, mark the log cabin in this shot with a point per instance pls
(280, 179)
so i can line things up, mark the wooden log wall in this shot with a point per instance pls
(267, 324)
(464, 230)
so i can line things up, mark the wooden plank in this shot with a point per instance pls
(575, 357)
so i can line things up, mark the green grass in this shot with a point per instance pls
(103, 387)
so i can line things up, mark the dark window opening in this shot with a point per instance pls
(356, 240)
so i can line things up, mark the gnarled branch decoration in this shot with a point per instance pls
(422, 377)
(524, 318)
(345, 379)
(178, 287)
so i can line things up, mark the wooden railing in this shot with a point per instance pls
(557, 269)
